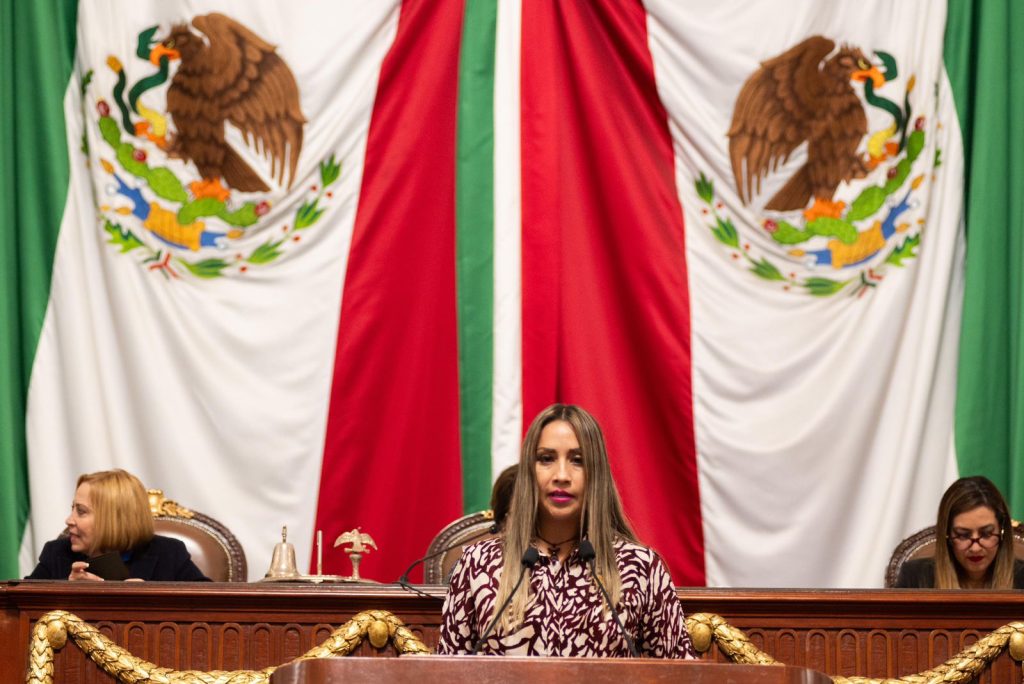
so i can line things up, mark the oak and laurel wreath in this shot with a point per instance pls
(163, 182)
(866, 205)
(305, 217)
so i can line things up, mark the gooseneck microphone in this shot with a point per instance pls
(587, 554)
(530, 558)
(403, 581)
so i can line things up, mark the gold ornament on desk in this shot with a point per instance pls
(283, 567)
(360, 544)
(282, 562)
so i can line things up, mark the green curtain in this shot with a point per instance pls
(985, 61)
(37, 43)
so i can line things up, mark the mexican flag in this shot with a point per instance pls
(319, 266)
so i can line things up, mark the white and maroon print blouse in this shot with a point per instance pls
(566, 615)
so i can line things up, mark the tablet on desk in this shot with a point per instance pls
(109, 566)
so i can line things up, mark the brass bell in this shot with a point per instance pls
(282, 563)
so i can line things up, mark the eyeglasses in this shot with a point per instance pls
(986, 540)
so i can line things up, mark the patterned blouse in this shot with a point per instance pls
(566, 615)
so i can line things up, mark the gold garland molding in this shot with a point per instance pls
(52, 630)
(965, 666)
(51, 633)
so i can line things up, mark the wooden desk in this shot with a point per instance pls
(251, 626)
(490, 670)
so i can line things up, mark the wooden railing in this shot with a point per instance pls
(254, 626)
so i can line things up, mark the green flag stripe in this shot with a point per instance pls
(474, 206)
(37, 45)
(984, 60)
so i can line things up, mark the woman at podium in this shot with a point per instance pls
(567, 576)
(110, 535)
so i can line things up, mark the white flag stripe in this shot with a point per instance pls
(823, 424)
(233, 372)
(507, 416)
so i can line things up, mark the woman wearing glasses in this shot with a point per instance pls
(978, 548)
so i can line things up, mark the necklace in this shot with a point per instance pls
(554, 546)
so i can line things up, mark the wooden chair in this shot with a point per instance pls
(921, 544)
(213, 548)
(455, 537)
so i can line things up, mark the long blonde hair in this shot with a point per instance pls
(121, 510)
(601, 520)
(964, 495)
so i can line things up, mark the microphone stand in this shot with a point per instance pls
(530, 558)
(403, 581)
(587, 554)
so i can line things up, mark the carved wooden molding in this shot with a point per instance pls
(965, 666)
(52, 630)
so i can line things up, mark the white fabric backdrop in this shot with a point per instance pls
(233, 372)
(823, 424)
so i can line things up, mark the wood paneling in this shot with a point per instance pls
(483, 670)
(885, 633)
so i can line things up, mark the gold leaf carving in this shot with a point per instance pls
(965, 666)
(160, 506)
(52, 629)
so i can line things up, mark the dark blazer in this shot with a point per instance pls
(920, 574)
(163, 559)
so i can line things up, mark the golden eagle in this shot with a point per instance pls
(794, 98)
(230, 75)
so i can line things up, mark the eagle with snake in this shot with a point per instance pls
(802, 96)
(229, 75)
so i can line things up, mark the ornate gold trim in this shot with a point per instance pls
(707, 627)
(161, 507)
(51, 633)
(965, 666)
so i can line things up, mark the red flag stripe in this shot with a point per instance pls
(605, 302)
(391, 455)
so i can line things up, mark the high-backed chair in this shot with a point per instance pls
(455, 537)
(922, 545)
(213, 548)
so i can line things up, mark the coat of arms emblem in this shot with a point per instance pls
(196, 146)
(829, 167)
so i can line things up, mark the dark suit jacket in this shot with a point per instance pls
(920, 574)
(161, 560)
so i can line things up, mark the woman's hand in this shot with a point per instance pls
(80, 574)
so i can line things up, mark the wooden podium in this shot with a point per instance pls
(492, 670)
(237, 626)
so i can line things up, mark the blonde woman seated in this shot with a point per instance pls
(110, 513)
(534, 590)
(974, 545)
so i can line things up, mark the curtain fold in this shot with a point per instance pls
(985, 57)
(37, 46)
